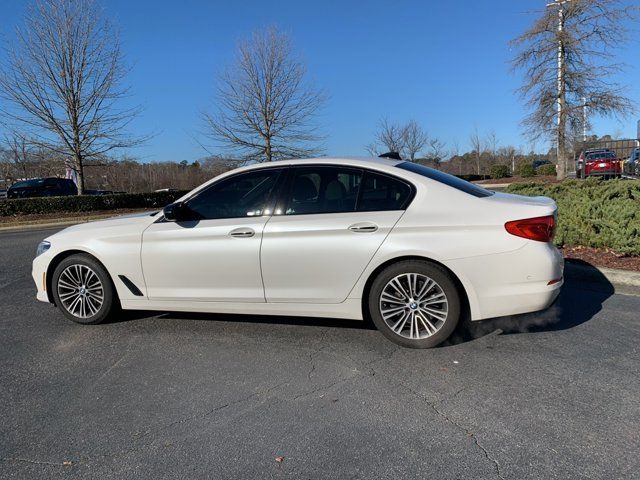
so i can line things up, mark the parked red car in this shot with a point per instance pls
(602, 162)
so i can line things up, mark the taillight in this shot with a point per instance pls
(540, 229)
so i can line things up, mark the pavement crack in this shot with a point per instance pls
(324, 387)
(463, 429)
(312, 356)
(211, 411)
(434, 406)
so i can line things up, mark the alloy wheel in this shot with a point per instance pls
(413, 306)
(80, 291)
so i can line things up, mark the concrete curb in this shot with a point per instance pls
(67, 222)
(493, 185)
(36, 226)
(623, 281)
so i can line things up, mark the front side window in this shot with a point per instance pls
(244, 195)
(323, 190)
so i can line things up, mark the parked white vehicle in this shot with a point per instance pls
(409, 246)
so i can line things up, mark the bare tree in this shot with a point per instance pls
(19, 153)
(406, 139)
(455, 155)
(390, 137)
(568, 60)
(265, 109)
(477, 145)
(436, 150)
(491, 145)
(63, 79)
(414, 139)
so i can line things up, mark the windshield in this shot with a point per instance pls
(37, 182)
(449, 180)
(601, 156)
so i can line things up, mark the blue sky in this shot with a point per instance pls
(445, 64)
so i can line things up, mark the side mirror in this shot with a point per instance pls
(175, 212)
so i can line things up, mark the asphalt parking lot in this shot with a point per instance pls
(550, 395)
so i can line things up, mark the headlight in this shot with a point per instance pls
(42, 247)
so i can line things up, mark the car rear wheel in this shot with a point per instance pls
(415, 303)
(83, 290)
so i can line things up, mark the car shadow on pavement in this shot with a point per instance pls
(579, 301)
(129, 315)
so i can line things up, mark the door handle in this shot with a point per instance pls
(242, 232)
(364, 227)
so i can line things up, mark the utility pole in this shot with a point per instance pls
(562, 121)
(584, 119)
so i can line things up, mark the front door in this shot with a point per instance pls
(215, 254)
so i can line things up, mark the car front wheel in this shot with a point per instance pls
(415, 303)
(83, 290)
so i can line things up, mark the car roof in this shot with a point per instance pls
(352, 161)
(375, 163)
(598, 150)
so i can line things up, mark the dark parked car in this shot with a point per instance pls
(600, 162)
(632, 164)
(539, 163)
(42, 187)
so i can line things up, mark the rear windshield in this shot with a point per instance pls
(601, 155)
(449, 180)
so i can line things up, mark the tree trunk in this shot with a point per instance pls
(79, 167)
(267, 149)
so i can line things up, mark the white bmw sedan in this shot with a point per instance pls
(410, 247)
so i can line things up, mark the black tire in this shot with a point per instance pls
(445, 284)
(80, 263)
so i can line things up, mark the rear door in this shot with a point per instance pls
(327, 228)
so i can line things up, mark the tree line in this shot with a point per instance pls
(63, 84)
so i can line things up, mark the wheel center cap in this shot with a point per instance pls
(413, 305)
(83, 291)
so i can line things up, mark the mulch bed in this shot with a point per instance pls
(601, 258)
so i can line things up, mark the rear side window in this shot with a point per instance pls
(380, 192)
(449, 180)
(323, 190)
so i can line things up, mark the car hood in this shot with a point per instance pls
(134, 222)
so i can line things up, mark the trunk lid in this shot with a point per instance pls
(516, 207)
